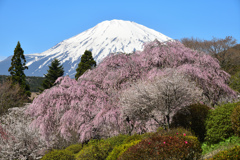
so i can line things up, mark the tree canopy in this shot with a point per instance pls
(18, 65)
(160, 98)
(55, 70)
(226, 50)
(87, 62)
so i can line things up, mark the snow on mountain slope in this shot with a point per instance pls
(106, 37)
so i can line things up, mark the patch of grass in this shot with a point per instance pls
(211, 150)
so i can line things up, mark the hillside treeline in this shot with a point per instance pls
(34, 82)
(227, 51)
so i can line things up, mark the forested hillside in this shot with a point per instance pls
(34, 82)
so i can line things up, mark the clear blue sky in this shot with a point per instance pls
(41, 24)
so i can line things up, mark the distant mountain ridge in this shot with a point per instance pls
(106, 37)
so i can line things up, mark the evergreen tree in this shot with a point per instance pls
(18, 65)
(87, 62)
(55, 71)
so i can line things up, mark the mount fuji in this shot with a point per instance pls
(107, 37)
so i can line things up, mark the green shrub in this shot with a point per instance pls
(128, 142)
(164, 147)
(235, 118)
(117, 140)
(174, 132)
(95, 150)
(231, 154)
(235, 81)
(211, 148)
(132, 138)
(101, 149)
(147, 135)
(119, 150)
(192, 117)
(74, 148)
(58, 155)
(218, 123)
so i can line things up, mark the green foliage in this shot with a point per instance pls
(192, 117)
(109, 148)
(235, 118)
(34, 82)
(59, 155)
(132, 138)
(95, 150)
(164, 147)
(231, 154)
(235, 81)
(231, 141)
(147, 135)
(11, 96)
(18, 65)
(55, 70)
(115, 147)
(126, 143)
(218, 123)
(117, 140)
(174, 131)
(87, 62)
(74, 148)
(119, 150)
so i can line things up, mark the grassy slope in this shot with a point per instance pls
(210, 150)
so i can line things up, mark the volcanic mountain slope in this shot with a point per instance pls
(106, 37)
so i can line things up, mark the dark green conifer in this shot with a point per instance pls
(55, 70)
(87, 62)
(18, 65)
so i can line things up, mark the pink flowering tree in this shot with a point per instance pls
(90, 107)
(202, 68)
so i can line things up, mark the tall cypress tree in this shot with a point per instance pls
(87, 62)
(55, 70)
(18, 65)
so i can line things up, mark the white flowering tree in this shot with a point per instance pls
(18, 140)
(160, 98)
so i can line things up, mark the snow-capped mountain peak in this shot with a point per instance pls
(105, 38)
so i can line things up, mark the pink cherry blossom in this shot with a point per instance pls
(90, 107)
